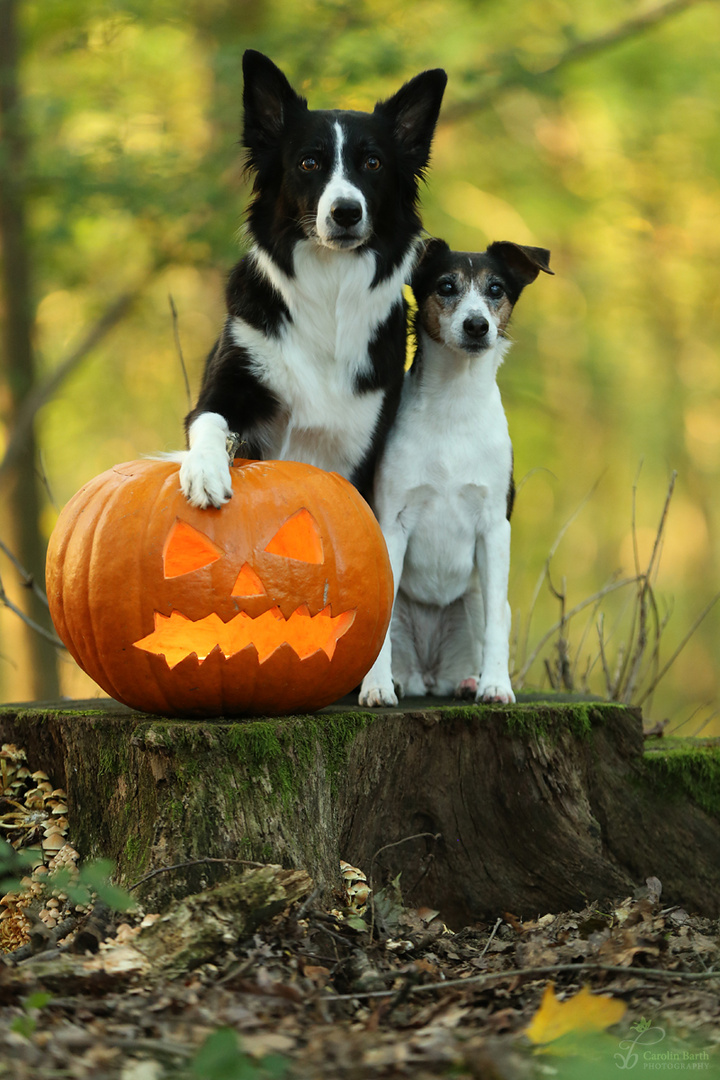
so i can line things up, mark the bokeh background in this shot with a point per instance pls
(586, 126)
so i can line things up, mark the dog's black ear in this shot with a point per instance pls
(267, 97)
(413, 112)
(432, 249)
(524, 263)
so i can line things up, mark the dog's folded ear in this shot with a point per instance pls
(430, 250)
(524, 263)
(413, 112)
(267, 98)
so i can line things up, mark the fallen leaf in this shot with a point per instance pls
(585, 1012)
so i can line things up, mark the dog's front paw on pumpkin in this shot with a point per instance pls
(205, 481)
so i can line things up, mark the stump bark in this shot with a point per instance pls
(534, 808)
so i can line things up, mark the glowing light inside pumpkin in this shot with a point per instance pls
(176, 637)
(299, 538)
(187, 549)
(248, 583)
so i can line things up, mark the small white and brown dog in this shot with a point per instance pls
(444, 490)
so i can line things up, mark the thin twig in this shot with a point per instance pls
(628, 652)
(546, 969)
(49, 635)
(545, 573)
(178, 346)
(493, 932)
(405, 840)
(193, 862)
(28, 580)
(603, 658)
(601, 593)
(386, 847)
(668, 664)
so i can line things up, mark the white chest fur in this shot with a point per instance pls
(445, 474)
(313, 365)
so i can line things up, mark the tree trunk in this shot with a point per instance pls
(23, 506)
(535, 808)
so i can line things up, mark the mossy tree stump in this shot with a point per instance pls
(532, 808)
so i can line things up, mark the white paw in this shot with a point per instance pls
(468, 688)
(498, 692)
(373, 696)
(205, 479)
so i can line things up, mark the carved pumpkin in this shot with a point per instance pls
(277, 602)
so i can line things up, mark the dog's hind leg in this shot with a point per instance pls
(467, 681)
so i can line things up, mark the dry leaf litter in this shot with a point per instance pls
(367, 989)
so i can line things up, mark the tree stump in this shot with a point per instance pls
(533, 808)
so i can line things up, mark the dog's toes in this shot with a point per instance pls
(204, 484)
(501, 695)
(467, 689)
(373, 697)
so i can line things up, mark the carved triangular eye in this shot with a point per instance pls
(299, 538)
(187, 549)
(248, 583)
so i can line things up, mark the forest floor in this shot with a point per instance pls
(257, 980)
(309, 995)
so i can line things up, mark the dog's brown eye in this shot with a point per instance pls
(446, 287)
(309, 164)
(495, 290)
(372, 163)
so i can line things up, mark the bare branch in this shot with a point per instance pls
(45, 390)
(612, 587)
(194, 862)
(645, 596)
(28, 580)
(47, 634)
(545, 573)
(178, 346)
(580, 50)
(668, 664)
(533, 973)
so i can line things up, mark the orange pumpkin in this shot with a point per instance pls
(277, 602)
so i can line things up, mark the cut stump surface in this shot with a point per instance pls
(534, 808)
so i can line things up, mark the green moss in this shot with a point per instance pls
(686, 767)
(286, 750)
(132, 849)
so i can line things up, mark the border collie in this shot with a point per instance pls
(309, 365)
(444, 487)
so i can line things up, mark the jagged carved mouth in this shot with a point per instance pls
(177, 637)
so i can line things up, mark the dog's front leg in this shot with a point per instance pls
(205, 471)
(377, 686)
(493, 560)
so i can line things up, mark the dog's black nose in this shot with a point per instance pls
(346, 212)
(476, 327)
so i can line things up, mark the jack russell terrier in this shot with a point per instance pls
(443, 490)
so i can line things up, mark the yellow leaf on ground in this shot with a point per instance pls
(585, 1012)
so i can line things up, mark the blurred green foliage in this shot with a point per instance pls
(608, 155)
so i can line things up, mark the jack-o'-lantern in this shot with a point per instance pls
(277, 602)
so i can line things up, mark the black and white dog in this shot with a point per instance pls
(444, 486)
(310, 362)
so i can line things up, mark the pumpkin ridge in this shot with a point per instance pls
(109, 591)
